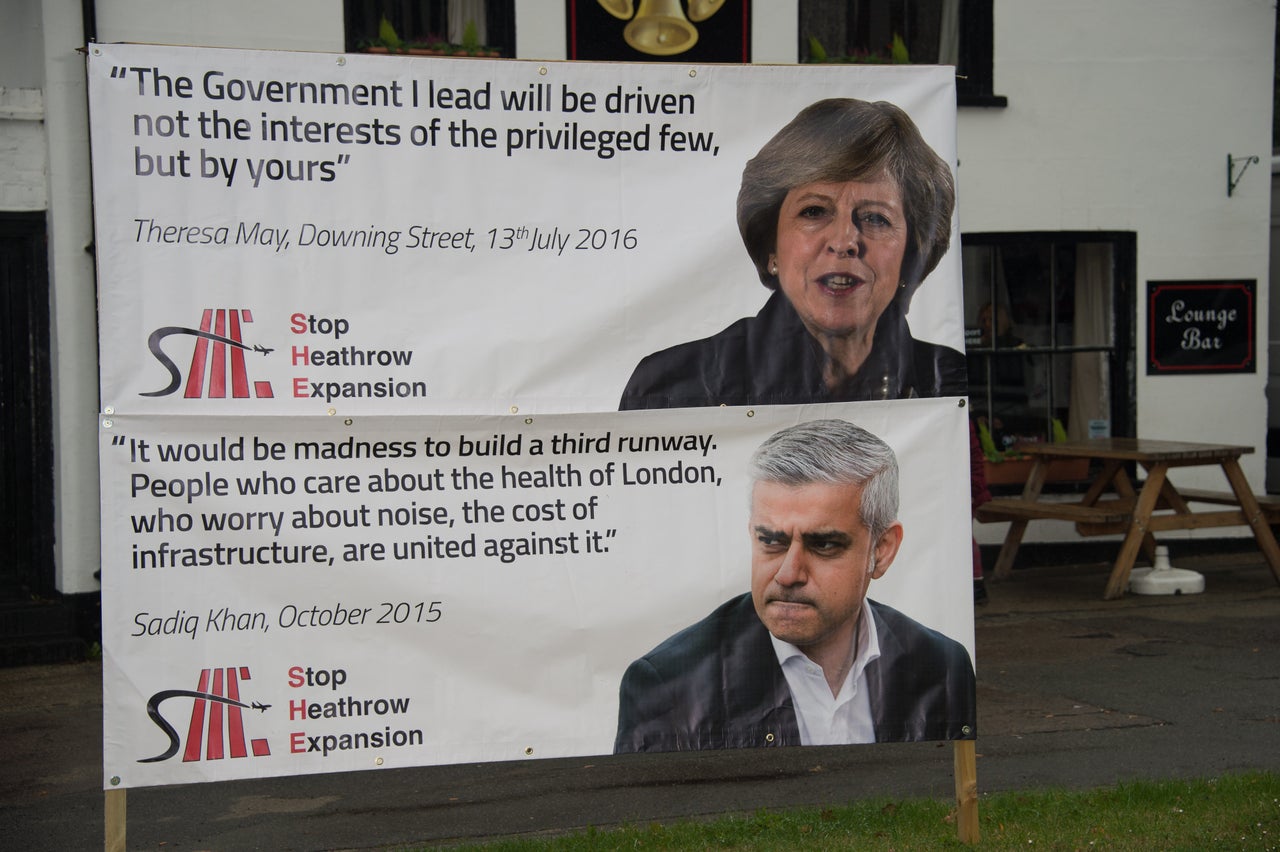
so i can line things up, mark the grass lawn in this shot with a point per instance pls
(1232, 812)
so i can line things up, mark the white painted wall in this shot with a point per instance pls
(74, 321)
(253, 24)
(541, 30)
(21, 60)
(23, 155)
(1121, 115)
(22, 150)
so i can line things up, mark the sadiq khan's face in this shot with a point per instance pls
(812, 559)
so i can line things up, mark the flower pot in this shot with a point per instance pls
(1016, 471)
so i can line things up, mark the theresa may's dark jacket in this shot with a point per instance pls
(771, 359)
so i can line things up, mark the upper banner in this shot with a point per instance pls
(300, 233)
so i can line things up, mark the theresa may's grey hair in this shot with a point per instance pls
(843, 139)
(834, 452)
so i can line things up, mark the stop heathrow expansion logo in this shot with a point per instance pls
(218, 362)
(217, 719)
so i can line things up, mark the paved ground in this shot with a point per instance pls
(1072, 692)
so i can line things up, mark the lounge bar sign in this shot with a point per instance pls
(1201, 327)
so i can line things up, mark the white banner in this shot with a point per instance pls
(426, 590)
(365, 325)
(449, 236)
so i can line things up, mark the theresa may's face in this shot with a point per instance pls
(839, 253)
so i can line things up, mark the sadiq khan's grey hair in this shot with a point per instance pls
(834, 452)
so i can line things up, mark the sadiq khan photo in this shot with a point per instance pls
(805, 657)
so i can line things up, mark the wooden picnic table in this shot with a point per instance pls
(1137, 514)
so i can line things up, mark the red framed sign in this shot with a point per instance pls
(1201, 327)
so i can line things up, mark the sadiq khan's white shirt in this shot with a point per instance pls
(823, 718)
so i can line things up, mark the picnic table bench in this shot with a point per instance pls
(1131, 512)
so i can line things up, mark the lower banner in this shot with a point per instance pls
(286, 596)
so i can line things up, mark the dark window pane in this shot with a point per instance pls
(1046, 354)
(427, 22)
(922, 32)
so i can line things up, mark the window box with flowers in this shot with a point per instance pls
(390, 42)
(1009, 467)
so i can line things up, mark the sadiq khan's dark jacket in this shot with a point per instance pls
(772, 359)
(718, 684)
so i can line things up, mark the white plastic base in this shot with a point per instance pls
(1163, 579)
(1168, 581)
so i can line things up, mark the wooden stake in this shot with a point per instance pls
(966, 777)
(114, 821)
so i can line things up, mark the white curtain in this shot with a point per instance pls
(463, 12)
(949, 33)
(1089, 383)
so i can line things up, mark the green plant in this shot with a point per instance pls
(897, 54)
(470, 37)
(389, 41)
(898, 51)
(388, 36)
(988, 443)
(1229, 812)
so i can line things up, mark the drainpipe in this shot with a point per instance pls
(89, 17)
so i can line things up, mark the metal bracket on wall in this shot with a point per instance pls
(1232, 178)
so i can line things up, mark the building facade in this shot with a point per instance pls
(1103, 147)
